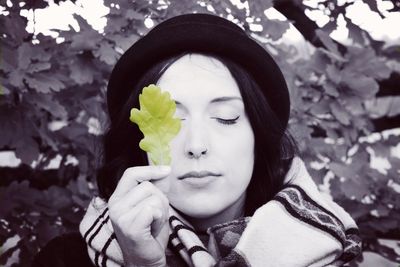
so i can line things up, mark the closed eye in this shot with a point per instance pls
(227, 121)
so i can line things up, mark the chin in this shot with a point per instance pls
(200, 210)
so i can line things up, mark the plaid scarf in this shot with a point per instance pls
(299, 227)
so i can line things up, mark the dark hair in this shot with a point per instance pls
(274, 147)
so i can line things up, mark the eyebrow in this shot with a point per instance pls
(218, 99)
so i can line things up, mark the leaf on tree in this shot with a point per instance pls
(340, 113)
(388, 106)
(275, 28)
(383, 210)
(24, 55)
(53, 200)
(363, 86)
(37, 67)
(357, 210)
(15, 25)
(15, 78)
(318, 61)
(354, 105)
(343, 170)
(27, 150)
(74, 131)
(373, 5)
(330, 89)
(355, 32)
(133, 14)
(317, 175)
(352, 189)
(329, 27)
(334, 74)
(9, 58)
(47, 231)
(36, 4)
(301, 131)
(364, 61)
(327, 41)
(87, 38)
(27, 52)
(124, 42)
(350, 135)
(385, 224)
(81, 71)
(48, 103)
(13, 130)
(48, 138)
(116, 24)
(107, 53)
(17, 195)
(320, 107)
(44, 83)
(258, 7)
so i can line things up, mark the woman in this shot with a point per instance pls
(235, 193)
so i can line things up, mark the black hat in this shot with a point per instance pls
(198, 33)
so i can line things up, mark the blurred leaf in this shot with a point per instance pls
(124, 42)
(133, 14)
(47, 231)
(87, 39)
(44, 82)
(16, 78)
(37, 67)
(36, 4)
(354, 105)
(24, 55)
(259, 6)
(48, 103)
(15, 25)
(340, 113)
(275, 28)
(383, 107)
(352, 188)
(327, 41)
(343, 170)
(9, 58)
(117, 26)
(329, 27)
(373, 6)
(81, 71)
(107, 53)
(355, 32)
(27, 150)
(364, 61)
(334, 74)
(360, 85)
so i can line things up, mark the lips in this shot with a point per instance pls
(199, 174)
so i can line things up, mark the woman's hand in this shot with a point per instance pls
(139, 215)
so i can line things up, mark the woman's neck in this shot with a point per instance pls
(235, 211)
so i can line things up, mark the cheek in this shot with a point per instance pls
(177, 153)
(239, 156)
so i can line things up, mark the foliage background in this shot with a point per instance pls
(52, 106)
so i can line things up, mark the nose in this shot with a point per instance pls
(196, 154)
(196, 144)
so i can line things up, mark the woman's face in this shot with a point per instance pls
(213, 154)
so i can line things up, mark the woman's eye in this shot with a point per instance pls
(227, 121)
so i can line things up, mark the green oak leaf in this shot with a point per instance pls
(155, 120)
